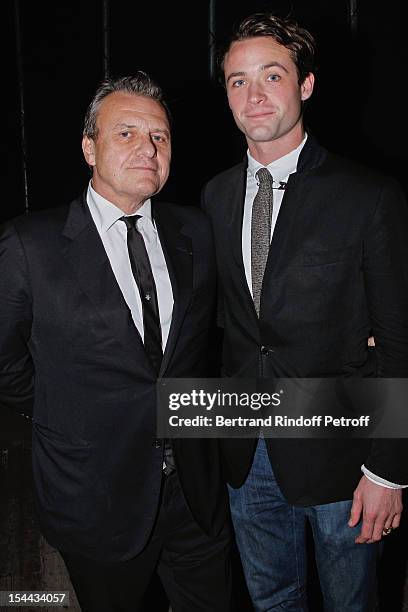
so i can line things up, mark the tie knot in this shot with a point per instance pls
(264, 177)
(130, 222)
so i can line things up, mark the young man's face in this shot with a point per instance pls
(263, 90)
(131, 153)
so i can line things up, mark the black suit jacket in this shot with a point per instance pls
(337, 270)
(71, 354)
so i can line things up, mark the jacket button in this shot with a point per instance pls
(157, 444)
(265, 350)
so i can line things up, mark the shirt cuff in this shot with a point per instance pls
(381, 481)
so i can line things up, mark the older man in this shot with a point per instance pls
(98, 300)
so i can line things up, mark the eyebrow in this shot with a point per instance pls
(262, 68)
(162, 131)
(133, 125)
(273, 64)
(235, 74)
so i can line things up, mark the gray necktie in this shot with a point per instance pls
(261, 232)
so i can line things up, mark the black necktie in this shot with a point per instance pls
(261, 232)
(142, 272)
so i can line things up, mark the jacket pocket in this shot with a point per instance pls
(58, 438)
(319, 257)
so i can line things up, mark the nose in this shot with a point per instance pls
(255, 93)
(146, 147)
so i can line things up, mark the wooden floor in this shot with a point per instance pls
(28, 563)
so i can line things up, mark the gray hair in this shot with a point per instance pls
(141, 84)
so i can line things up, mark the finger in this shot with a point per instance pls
(377, 533)
(355, 512)
(366, 531)
(396, 521)
(389, 522)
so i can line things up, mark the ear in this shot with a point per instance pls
(88, 148)
(306, 88)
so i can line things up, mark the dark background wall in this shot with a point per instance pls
(54, 55)
(358, 108)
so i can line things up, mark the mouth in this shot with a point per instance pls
(260, 115)
(148, 168)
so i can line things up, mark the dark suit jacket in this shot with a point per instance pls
(71, 354)
(337, 269)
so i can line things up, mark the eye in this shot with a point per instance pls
(125, 134)
(238, 83)
(160, 138)
(274, 77)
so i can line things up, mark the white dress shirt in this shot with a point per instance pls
(113, 233)
(280, 169)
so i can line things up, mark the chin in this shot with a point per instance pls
(144, 186)
(261, 134)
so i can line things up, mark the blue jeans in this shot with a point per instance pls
(270, 535)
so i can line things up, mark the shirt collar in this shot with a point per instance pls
(280, 168)
(105, 213)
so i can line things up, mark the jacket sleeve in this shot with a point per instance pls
(16, 366)
(220, 293)
(385, 269)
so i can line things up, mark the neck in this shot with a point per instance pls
(129, 208)
(267, 152)
(128, 205)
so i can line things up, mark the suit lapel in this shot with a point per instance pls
(178, 252)
(235, 208)
(233, 225)
(296, 195)
(86, 256)
(292, 199)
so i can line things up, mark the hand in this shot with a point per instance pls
(380, 508)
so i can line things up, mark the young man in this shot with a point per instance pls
(312, 255)
(97, 303)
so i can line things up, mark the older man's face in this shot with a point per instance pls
(131, 152)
